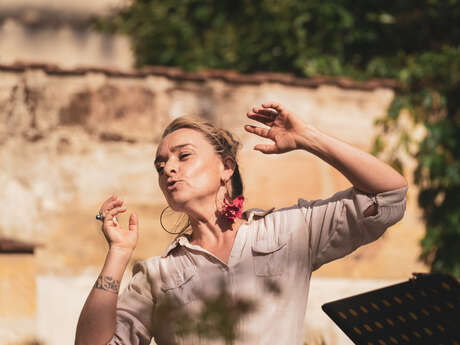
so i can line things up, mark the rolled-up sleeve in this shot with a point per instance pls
(134, 310)
(337, 225)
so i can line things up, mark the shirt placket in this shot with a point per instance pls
(227, 270)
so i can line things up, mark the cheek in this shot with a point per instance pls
(162, 185)
(204, 175)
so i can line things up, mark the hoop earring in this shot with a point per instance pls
(170, 232)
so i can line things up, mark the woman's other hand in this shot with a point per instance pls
(98, 318)
(285, 129)
(118, 238)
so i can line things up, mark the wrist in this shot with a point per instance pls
(310, 140)
(116, 261)
(121, 252)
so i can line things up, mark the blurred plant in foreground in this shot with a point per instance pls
(215, 316)
(216, 319)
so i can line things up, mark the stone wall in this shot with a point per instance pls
(60, 32)
(71, 137)
(18, 296)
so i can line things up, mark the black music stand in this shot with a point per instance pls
(421, 311)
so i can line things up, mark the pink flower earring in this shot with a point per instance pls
(232, 210)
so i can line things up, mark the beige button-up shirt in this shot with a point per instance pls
(280, 247)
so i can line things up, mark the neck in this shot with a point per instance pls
(208, 229)
(213, 234)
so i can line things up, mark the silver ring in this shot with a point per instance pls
(100, 217)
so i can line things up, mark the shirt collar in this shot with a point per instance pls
(256, 212)
(179, 241)
(182, 240)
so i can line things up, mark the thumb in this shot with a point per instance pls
(133, 222)
(267, 149)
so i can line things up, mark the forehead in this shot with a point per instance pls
(182, 137)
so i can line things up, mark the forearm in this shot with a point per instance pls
(363, 170)
(97, 321)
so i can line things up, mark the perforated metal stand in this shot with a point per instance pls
(421, 311)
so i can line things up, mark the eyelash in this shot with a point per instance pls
(181, 156)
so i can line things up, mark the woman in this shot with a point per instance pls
(198, 172)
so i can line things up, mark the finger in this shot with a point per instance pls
(133, 222)
(270, 112)
(115, 211)
(266, 120)
(262, 132)
(278, 107)
(267, 149)
(109, 206)
(106, 202)
(273, 105)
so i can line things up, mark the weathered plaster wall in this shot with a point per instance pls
(60, 32)
(69, 138)
(18, 296)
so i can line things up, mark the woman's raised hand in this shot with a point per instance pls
(117, 237)
(285, 129)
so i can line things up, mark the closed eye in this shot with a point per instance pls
(184, 155)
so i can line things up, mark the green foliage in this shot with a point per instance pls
(415, 42)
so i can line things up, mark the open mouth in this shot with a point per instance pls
(172, 184)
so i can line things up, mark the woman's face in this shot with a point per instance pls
(189, 169)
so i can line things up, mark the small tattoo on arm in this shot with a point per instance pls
(108, 284)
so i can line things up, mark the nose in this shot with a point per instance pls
(170, 167)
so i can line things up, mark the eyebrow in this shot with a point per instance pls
(174, 148)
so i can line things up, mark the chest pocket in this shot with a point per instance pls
(182, 286)
(270, 255)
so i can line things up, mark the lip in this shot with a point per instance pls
(172, 184)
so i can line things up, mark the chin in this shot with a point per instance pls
(185, 200)
(177, 203)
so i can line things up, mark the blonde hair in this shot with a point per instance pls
(223, 141)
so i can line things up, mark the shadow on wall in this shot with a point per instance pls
(110, 105)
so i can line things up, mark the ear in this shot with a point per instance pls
(229, 168)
